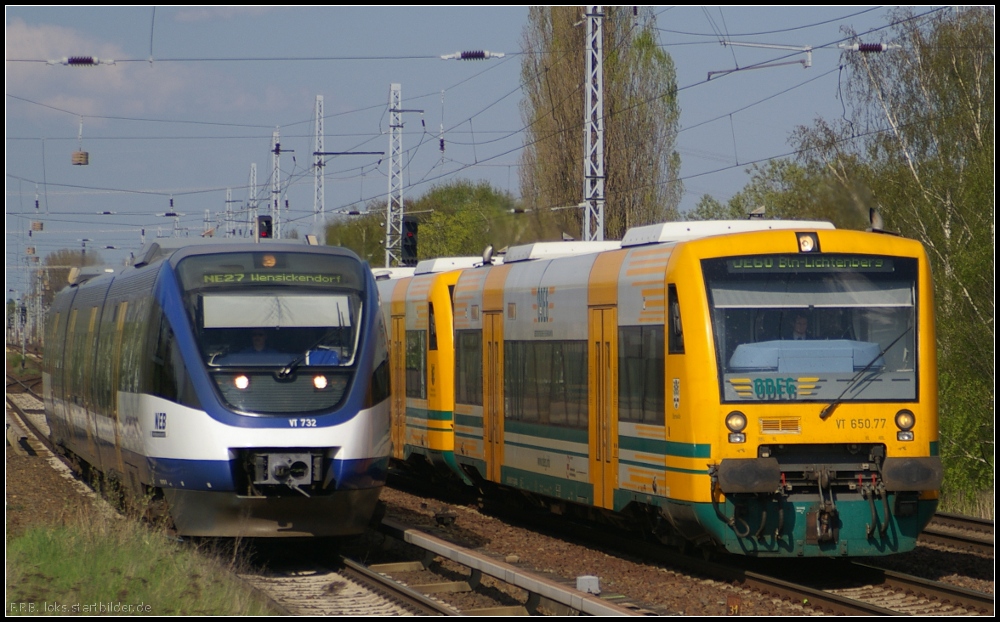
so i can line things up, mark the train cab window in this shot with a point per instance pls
(432, 338)
(275, 328)
(268, 309)
(674, 328)
(840, 321)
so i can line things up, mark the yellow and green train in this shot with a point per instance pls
(661, 381)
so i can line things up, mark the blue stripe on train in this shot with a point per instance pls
(217, 475)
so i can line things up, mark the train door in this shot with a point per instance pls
(397, 357)
(94, 440)
(603, 426)
(66, 384)
(493, 394)
(115, 383)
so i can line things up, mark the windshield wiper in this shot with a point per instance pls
(828, 410)
(298, 360)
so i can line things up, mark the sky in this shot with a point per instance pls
(195, 95)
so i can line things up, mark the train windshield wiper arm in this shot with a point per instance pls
(298, 360)
(828, 410)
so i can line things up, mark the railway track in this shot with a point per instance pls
(845, 588)
(851, 588)
(960, 532)
(870, 592)
(536, 592)
(347, 589)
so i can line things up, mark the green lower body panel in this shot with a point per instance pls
(770, 528)
(554, 487)
(440, 461)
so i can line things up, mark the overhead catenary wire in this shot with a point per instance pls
(428, 177)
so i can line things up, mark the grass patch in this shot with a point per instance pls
(980, 505)
(108, 566)
(14, 361)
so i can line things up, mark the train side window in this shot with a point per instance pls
(641, 374)
(416, 364)
(432, 341)
(469, 367)
(675, 340)
(170, 379)
(545, 382)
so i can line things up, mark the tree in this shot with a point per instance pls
(363, 233)
(55, 275)
(918, 144)
(462, 218)
(455, 219)
(786, 189)
(641, 117)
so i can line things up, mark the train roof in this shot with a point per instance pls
(445, 264)
(165, 247)
(78, 276)
(386, 274)
(681, 231)
(552, 250)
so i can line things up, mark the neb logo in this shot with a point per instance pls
(160, 421)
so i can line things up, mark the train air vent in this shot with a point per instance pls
(787, 425)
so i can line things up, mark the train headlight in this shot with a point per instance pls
(320, 382)
(241, 381)
(905, 422)
(736, 422)
(808, 242)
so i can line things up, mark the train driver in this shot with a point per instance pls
(800, 327)
(258, 341)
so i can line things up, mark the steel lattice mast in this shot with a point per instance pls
(252, 213)
(276, 184)
(319, 200)
(394, 206)
(593, 142)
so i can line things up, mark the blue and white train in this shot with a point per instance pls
(158, 377)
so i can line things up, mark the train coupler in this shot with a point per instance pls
(270, 471)
(822, 524)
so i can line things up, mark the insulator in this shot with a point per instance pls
(474, 55)
(871, 47)
(442, 145)
(82, 60)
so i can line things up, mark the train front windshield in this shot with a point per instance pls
(274, 308)
(814, 327)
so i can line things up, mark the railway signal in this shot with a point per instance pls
(409, 241)
(265, 227)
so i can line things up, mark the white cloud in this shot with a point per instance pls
(132, 89)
